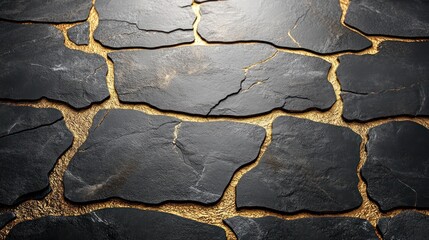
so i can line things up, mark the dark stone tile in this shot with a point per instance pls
(392, 82)
(154, 159)
(406, 225)
(236, 80)
(308, 166)
(329, 228)
(118, 224)
(149, 24)
(5, 218)
(396, 170)
(305, 24)
(31, 141)
(392, 18)
(79, 34)
(34, 63)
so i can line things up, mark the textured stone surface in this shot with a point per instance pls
(237, 80)
(116, 223)
(394, 18)
(390, 83)
(153, 159)
(34, 63)
(308, 166)
(31, 141)
(396, 170)
(405, 225)
(309, 24)
(148, 23)
(79, 34)
(5, 218)
(326, 228)
(53, 11)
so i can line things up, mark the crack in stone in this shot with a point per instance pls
(146, 30)
(298, 20)
(30, 129)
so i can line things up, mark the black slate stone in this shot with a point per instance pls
(149, 24)
(79, 34)
(5, 218)
(396, 170)
(235, 80)
(31, 141)
(154, 159)
(305, 24)
(392, 82)
(329, 228)
(393, 18)
(34, 63)
(118, 224)
(406, 225)
(308, 166)
(53, 11)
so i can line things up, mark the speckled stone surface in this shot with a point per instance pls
(405, 225)
(79, 34)
(5, 218)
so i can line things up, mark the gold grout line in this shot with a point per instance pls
(198, 39)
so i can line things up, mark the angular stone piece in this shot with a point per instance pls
(5, 218)
(154, 159)
(392, 82)
(406, 225)
(52, 11)
(31, 141)
(396, 170)
(237, 80)
(305, 24)
(147, 23)
(393, 18)
(79, 34)
(329, 228)
(118, 224)
(308, 166)
(34, 63)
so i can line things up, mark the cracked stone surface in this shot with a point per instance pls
(305, 24)
(35, 64)
(405, 225)
(116, 223)
(322, 228)
(396, 170)
(154, 159)
(308, 166)
(223, 80)
(148, 23)
(79, 34)
(393, 18)
(397, 74)
(31, 141)
(5, 218)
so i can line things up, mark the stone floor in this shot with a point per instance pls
(206, 119)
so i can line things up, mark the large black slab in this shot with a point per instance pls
(153, 159)
(31, 141)
(34, 63)
(5, 218)
(396, 170)
(118, 224)
(148, 23)
(79, 34)
(308, 166)
(329, 228)
(390, 83)
(238, 80)
(406, 225)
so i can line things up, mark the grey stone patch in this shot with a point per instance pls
(405, 225)
(5, 218)
(79, 34)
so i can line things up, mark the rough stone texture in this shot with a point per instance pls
(308, 166)
(118, 224)
(326, 228)
(5, 218)
(405, 225)
(396, 170)
(31, 141)
(309, 24)
(393, 18)
(153, 159)
(392, 82)
(148, 23)
(34, 63)
(237, 80)
(79, 34)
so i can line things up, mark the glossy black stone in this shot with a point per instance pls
(308, 166)
(396, 170)
(79, 34)
(118, 224)
(405, 225)
(153, 159)
(5, 218)
(31, 141)
(392, 82)
(34, 63)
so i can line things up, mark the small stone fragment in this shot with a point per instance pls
(396, 170)
(79, 34)
(5, 218)
(392, 82)
(308, 166)
(405, 225)
(118, 224)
